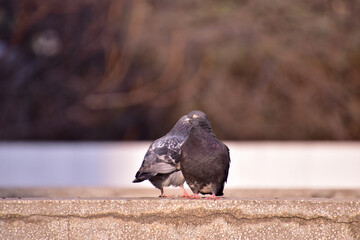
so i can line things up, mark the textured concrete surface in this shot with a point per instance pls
(106, 192)
(155, 218)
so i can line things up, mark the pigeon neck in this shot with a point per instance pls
(179, 131)
(205, 128)
(208, 129)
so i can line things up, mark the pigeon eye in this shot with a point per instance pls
(195, 116)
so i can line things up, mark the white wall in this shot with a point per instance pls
(254, 164)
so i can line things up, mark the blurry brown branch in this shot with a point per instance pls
(144, 93)
(30, 12)
(119, 58)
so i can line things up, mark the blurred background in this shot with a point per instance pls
(127, 70)
(110, 70)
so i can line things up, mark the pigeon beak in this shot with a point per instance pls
(187, 120)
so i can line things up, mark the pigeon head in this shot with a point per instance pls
(198, 118)
(182, 127)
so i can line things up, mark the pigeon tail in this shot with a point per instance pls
(142, 176)
(220, 191)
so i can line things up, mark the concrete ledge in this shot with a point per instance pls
(155, 218)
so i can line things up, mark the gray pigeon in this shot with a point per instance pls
(204, 160)
(160, 162)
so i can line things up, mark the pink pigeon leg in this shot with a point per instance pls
(163, 194)
(185, 194)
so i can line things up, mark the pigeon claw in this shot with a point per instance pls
(166, 196)
(213, 197)
(185, 196)
(195, 196)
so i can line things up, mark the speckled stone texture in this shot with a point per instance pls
(155, 218)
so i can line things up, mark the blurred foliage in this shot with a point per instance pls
(127, 70)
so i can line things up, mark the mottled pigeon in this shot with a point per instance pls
(162, 158)
(204, 160)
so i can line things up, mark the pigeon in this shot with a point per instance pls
(160, 164)
(204, 160)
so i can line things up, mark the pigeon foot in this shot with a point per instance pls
(195, 196)
(185, 194)
(213, 197)
(166, 196)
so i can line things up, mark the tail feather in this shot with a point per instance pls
(142, 176)
(220, 190)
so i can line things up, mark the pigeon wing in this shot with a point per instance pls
(162, 156)
(226, 161)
